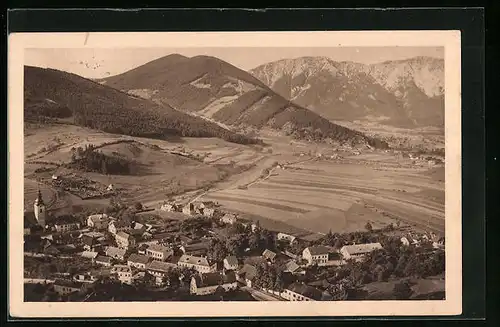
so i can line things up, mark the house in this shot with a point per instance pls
(188, 209)
(159, 269)
(231, 263)
(123, 273)
(438, 242)
(159, 252)
(269, 255)
(293, 268)
(229, 218)
(103, 260)
(85, 278)
(200, 264)
(316, 254)
(208, 212)
(115, 227)
(247, 274)
(209, 283)
(138, 226)
(137, 261)
(286, 237)
(99, 221)
(115, 253)
(90, 243)
(358, 251)
(66, 224)
(142, 248)
(303, 292)
(292, 254)
(89, 254)
(124, 240)
(405, 241)
(195, 249)
(65, 287)
(169, 207)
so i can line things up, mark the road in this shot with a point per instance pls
(38, 280)
(260, 295)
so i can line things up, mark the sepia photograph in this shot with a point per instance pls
(211, 172)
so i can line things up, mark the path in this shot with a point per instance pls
(260, 295)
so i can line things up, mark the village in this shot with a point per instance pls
(199, 251)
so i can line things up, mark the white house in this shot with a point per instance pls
(137, 261)
(208, 283)
(99, 221)
(200, 264)
(405, 241)
(115, 253)
(286, 237)
(316, 254)
(65, 287)
(66, 224)
(159, 269)
(358, 251)
(115, 227)
(124, 240)
(103, 260)
(269, 255)
(188, 209)
(123, 273)
(293, 268)
(231, 263)
(229, 218)
(301, 292)
(159, 252)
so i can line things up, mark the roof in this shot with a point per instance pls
(212, 279)
(102, 258)
(159, 248)
(138, 258)
(114, 251)
(98, 217)
(231, 260)
(66, 219)
(248, 271)
(229, 216)
(120, 223)
(160, 266)
(197, 246)
(269, 254)
(319, 249)
(306, 290)
(68, 283)
(121, 268)
(361, 248)
(185, 258)
(123, 235)
(292, 266)
(88, 240)
(89, 254)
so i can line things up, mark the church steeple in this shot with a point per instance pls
(39, 199)
(40, 210)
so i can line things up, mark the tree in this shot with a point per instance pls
(368, 227)
(402, 291)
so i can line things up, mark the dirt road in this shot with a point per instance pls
(260, 295)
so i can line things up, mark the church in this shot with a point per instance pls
(37, 217)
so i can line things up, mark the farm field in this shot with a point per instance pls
(321, 195)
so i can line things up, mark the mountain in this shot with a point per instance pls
(61, 95)
(403, 93)
(212, 88)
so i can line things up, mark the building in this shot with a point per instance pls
(293, 268)
(169, 207)
(40, 210)
(195, 249)
(188, 209)
(99, 221)
(159, 252)
(302, 292)
(286, 237)
(247, 274)
(85, 278)
(208, 212)
(200, 264)
(358, 251)
(229, 218)
(124, 240)
(405, 241)
(269, 255)
(65, 287)
(89, 255)
(159, 269)
(231, 263)
(90, 243)
(66, 224)
(142, 248)
(117, 226)
(115, 253)
(122, 273)
(209, 283)
(316, 254)
(103, 260)
(137, 261)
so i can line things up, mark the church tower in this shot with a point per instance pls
(40, 210)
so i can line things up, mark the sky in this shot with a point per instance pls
(104, 62)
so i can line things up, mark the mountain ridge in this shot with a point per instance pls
(403, 93)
